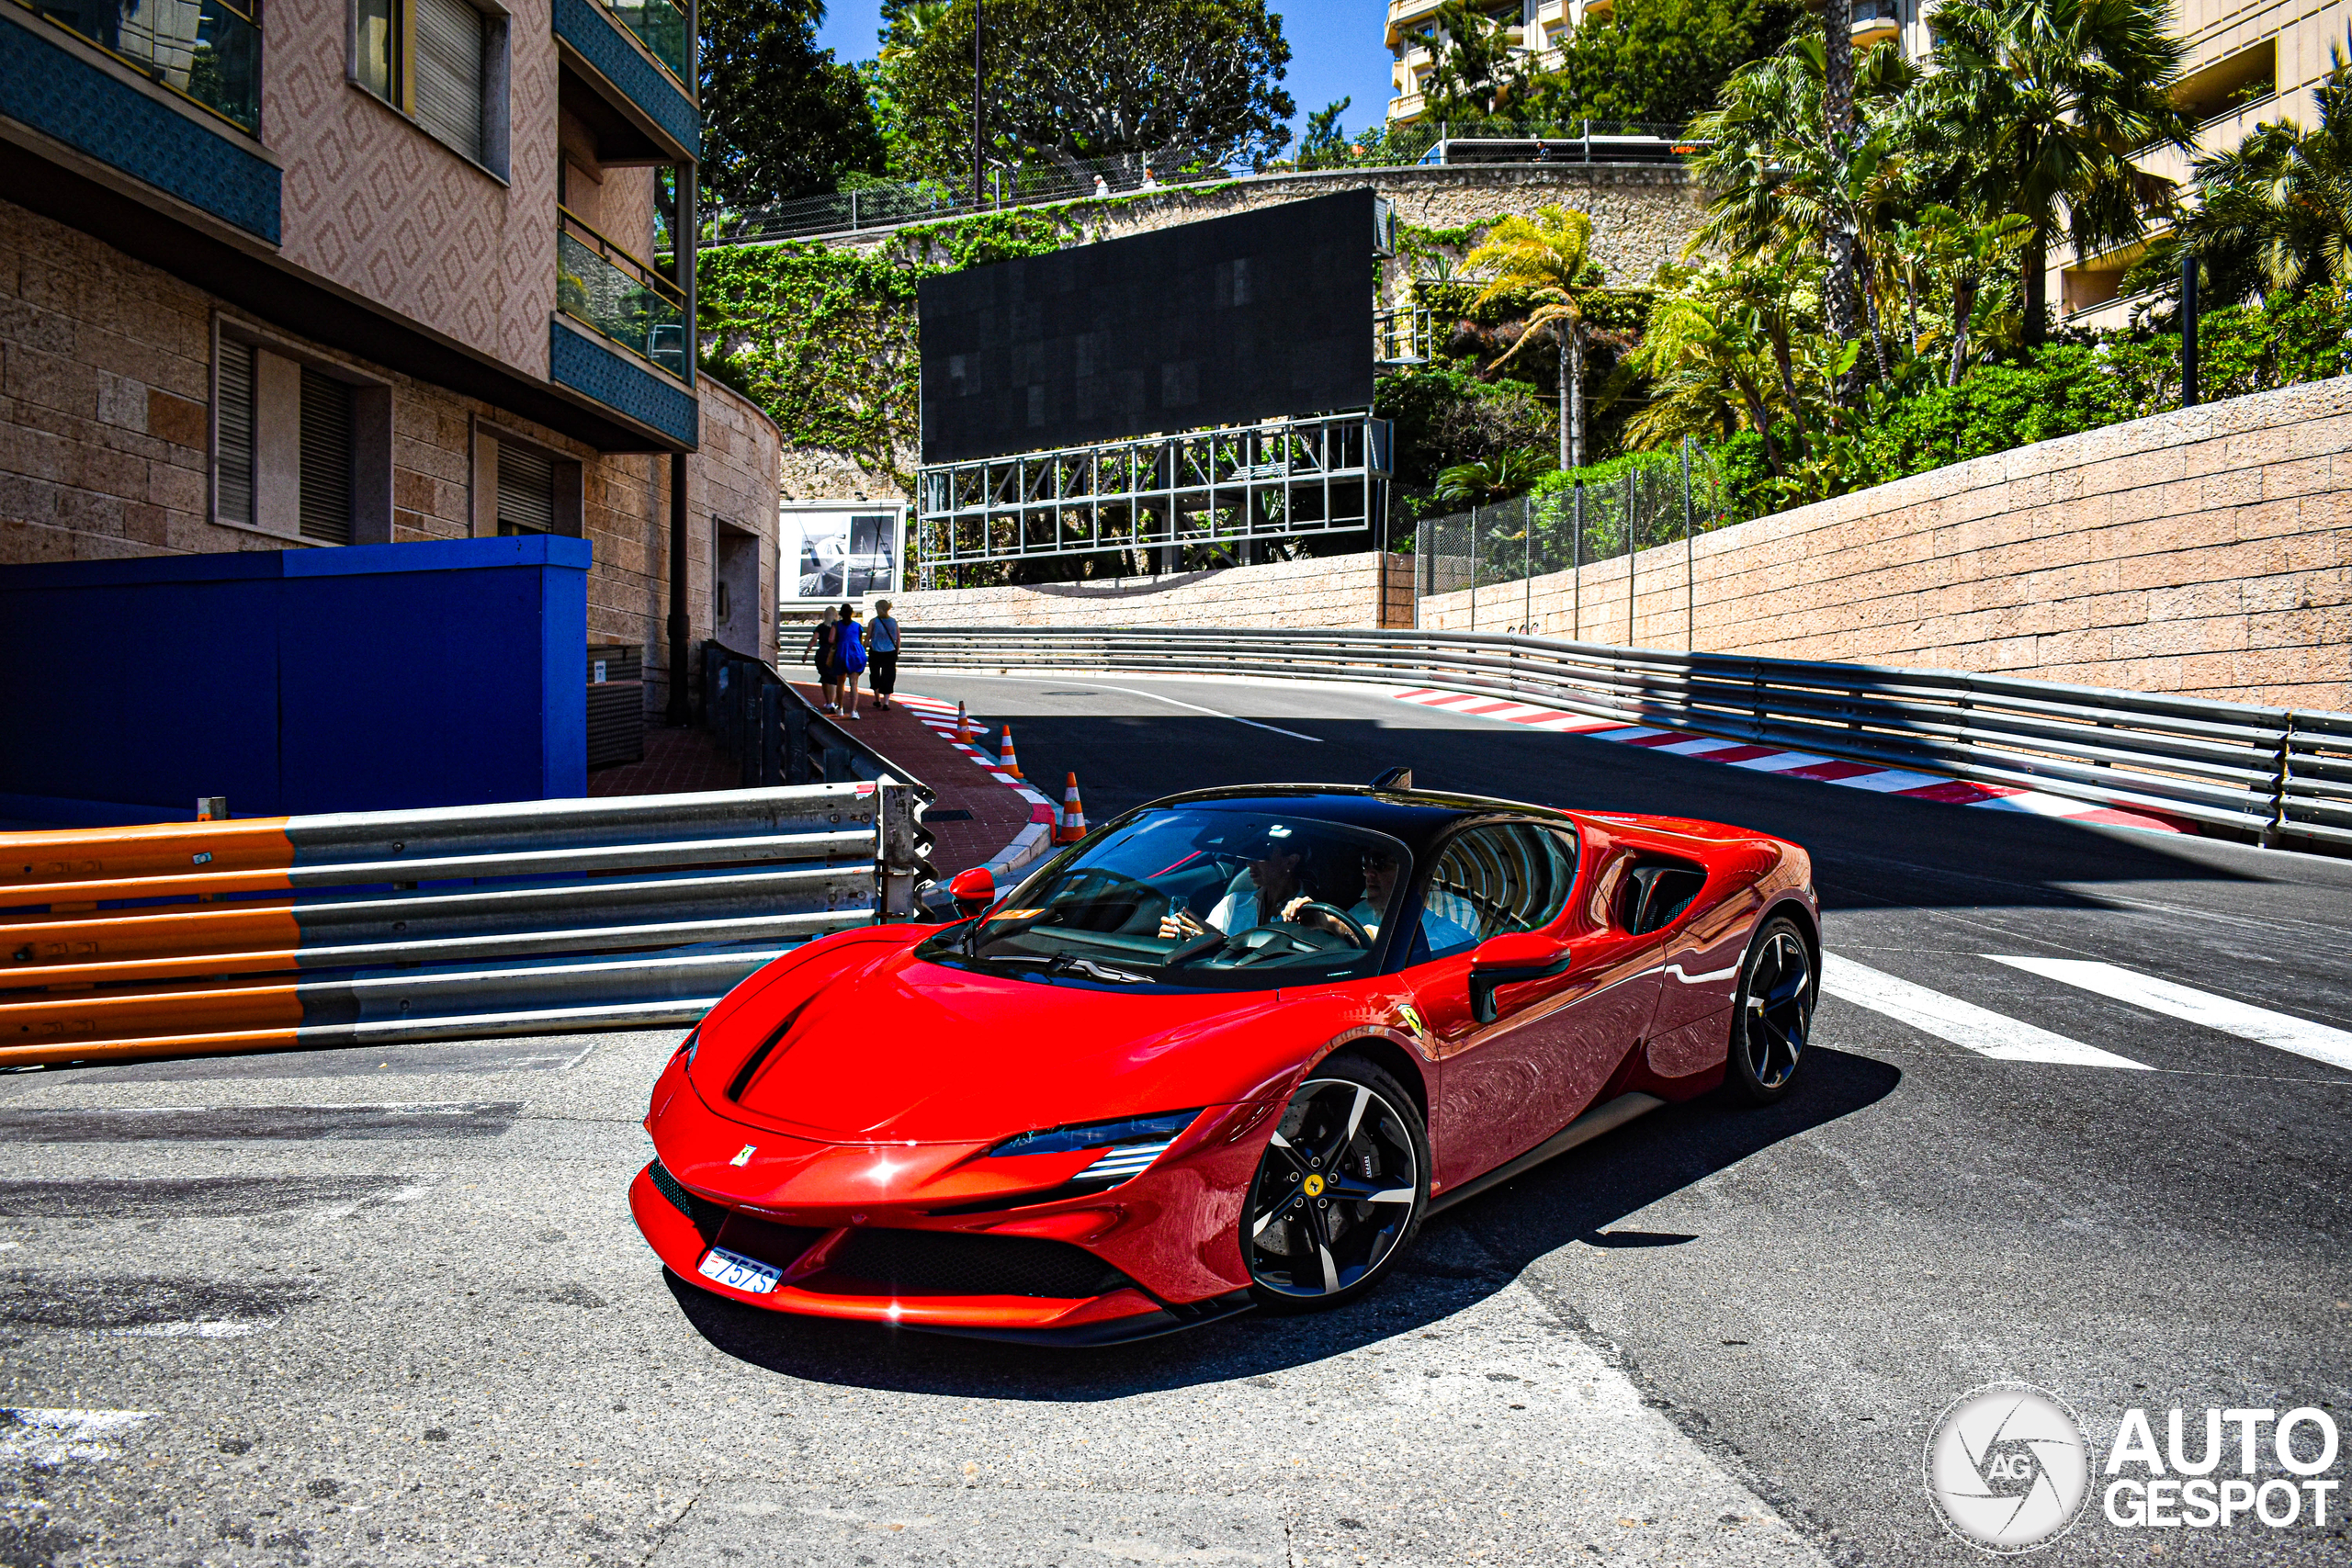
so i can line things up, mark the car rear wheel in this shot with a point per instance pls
(1773, 1019)
(1340, 1190)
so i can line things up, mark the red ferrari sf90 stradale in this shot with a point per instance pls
(1228, 1051)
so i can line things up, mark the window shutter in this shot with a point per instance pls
(235, 419)
(448, 72)
(326, 458)
(526, 490)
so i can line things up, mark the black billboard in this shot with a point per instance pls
(1225, 322)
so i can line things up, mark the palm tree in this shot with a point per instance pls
(2052, 99)
(1496, 478)
(1548, 258)
(1721, 345)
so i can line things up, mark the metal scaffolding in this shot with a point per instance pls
(1280, 479)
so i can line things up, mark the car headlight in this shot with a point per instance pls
(1128, 1146)
(686, 1046)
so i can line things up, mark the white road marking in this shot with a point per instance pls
(2284, 1032)
(1213, 713)
(206, 1328)
(53, 1437)
(1980, 1030)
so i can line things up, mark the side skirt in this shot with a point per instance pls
(1591, 1124)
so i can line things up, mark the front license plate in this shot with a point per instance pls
(738, 1272)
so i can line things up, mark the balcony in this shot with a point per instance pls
(628, 90)
(207, 51)
(661, 28)
(1876, 22)
(604, 288)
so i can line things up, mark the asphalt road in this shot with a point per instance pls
(387, 1307)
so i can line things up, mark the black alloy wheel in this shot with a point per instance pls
(1773, 1019)
(1340, 1190)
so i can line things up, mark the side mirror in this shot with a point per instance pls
(973, 890)
(1508, 959)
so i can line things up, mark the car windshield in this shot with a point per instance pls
(1197, 898)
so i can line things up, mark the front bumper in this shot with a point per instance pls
(937, 1280)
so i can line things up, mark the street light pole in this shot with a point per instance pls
(980, 23)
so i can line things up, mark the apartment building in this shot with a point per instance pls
(297, 274)
(2248, 64)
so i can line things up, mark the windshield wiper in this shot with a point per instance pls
(1068, 963)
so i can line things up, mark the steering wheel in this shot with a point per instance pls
(1350, 927)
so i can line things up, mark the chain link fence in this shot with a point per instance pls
(1533, 535)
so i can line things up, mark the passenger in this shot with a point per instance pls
(1274, 857)
(1379, 888)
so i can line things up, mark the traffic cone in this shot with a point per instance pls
(964, 726)
(1005, 760)
(1072, 826)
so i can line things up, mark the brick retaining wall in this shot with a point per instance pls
(2205, 552)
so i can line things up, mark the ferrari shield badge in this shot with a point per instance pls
(1412, 1018)
(744, 1155)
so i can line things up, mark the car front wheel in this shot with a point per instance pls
(1342, 1189)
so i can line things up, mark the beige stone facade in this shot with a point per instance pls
(1336, 590)
(105, 376)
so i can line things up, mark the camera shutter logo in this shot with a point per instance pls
(2007, 1469)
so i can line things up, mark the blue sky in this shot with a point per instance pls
(1335, 46)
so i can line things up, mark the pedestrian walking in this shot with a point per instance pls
(849, 656)
(820, 652)
(882, 654)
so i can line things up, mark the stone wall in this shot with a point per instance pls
(1334, 590)
(2206, 552)
(105, 414)
(1642, 215)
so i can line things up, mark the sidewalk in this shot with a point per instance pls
(675, 761)
(993, 814)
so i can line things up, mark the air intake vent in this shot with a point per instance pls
(946, 1263)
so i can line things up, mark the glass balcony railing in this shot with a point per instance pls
(206, 50)
(601, 285)
(660, 25)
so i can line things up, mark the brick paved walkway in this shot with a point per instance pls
(677, 761)
(996, 813)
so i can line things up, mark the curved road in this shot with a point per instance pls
(1806, 1288)
(2076, 1115)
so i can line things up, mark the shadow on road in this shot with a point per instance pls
(1462, 1256)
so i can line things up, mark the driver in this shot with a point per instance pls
(1274, 854)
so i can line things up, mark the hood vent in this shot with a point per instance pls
(758, 1059)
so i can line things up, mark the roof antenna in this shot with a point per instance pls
(1395, 778)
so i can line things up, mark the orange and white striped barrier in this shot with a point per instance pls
(528, 917)
(1005, 761)
(1072, 826)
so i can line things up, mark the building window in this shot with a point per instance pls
(302, 446)
(526, 490)
(233, 464)
(443, 63)
(326, 472)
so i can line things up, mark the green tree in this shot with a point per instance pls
(1545, 259)
(1167, 82)
(1325, 143)
(1656, 62)
(1476, 71)
(1492, 479)
(780, 117)
(2051, 100)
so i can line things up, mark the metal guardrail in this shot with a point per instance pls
(2281, 775)
(534, 917)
